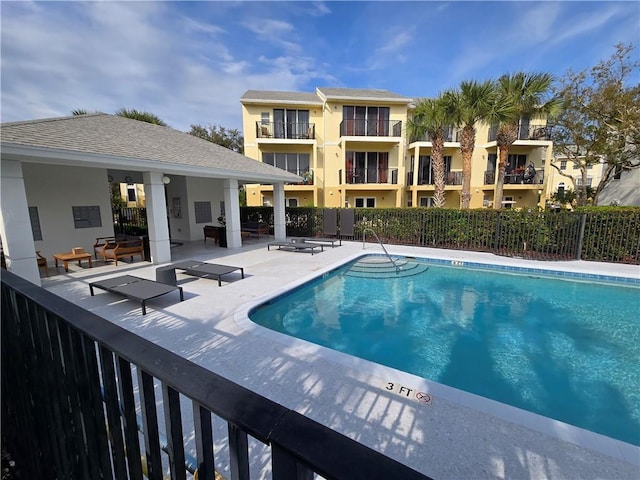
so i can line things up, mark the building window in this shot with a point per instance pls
(369, 121)
(576, 166)
(508, 202)
(579, 181)
(426, 201)
(297, 163)
(425, 169)
(563, 164)
(290, 123)
(265, 118)
(367, 167)
(131, 193)
(617, 173)
(291, 202)
(365, 202)
(515, 162)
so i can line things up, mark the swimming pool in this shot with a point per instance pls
(548, 344)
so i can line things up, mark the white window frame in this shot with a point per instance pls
(427, 201)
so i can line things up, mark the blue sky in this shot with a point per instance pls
(190, 62)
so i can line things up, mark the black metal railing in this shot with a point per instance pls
(294, 131)
(426, 178)
(450, 135)
(607, 236)
(515, 178)
(525, 132)
(130, 221)
(72, 383)
(369, 175)
(371, 128)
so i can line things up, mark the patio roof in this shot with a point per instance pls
(111, 141)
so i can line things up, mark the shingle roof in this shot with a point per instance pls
(263, 96)
(361, 94)
(111, 137)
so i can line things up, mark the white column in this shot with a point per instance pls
(232, 213)
(159, 243)
(279, 214)
(15, 226)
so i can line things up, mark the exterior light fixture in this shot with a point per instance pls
(166, 180)
(128, 180)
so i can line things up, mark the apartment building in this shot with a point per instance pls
(350, 146)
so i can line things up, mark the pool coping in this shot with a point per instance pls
(379, 375)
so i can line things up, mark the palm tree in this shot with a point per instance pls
(528, 94)
(472, 103)
(430, 117)
(140, 116)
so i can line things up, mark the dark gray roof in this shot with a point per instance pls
(361, 94)
(114, 141)
(263, 96)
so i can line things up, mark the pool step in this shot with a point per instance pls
(383, 268)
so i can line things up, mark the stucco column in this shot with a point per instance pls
(159, 243)
(279, 214)
(15, 226)
(232, 213)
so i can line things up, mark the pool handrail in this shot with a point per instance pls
(364, 237)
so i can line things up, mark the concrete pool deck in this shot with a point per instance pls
(454, 436)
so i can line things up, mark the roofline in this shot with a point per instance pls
(259, 101)
(325, 97)
(13, 151)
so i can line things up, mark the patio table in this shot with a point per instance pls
(65, 258)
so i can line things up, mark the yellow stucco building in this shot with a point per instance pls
(351, 148)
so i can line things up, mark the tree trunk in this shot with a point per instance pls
(437, 157)
(467, 144)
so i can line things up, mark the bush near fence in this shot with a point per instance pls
(604, 234)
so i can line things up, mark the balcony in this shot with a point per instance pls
(289, 131)
(525, 132)
(369, 176)
(370, 128)
(307, 177)
(450, 178)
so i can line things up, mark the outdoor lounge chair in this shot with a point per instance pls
(330, 227)
(167, 274)
(296, 246)
(135, 288)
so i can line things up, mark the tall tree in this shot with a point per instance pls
(430, 117)
(472, 103)
(529, 95)
(600, 120)
(140, 116)
(231, 139)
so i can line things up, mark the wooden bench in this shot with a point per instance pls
(118, 249)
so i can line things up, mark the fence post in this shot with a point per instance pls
(496, 236)
(583, 221)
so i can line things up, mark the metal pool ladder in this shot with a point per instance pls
(364, 237)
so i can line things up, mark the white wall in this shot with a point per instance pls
(54, 190)
(203, 190)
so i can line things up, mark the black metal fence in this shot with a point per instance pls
(72, 382)
(606, 236)
(130, 221)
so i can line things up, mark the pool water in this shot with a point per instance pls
(565, 349)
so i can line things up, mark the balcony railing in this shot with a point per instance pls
(450, 135)
(370, 128)
(72, 383)
(450, 178)
(369, 175)
(526, 132)
(515, 178)
(293, 131)
(307, 177)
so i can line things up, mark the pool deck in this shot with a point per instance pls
(455, 436)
